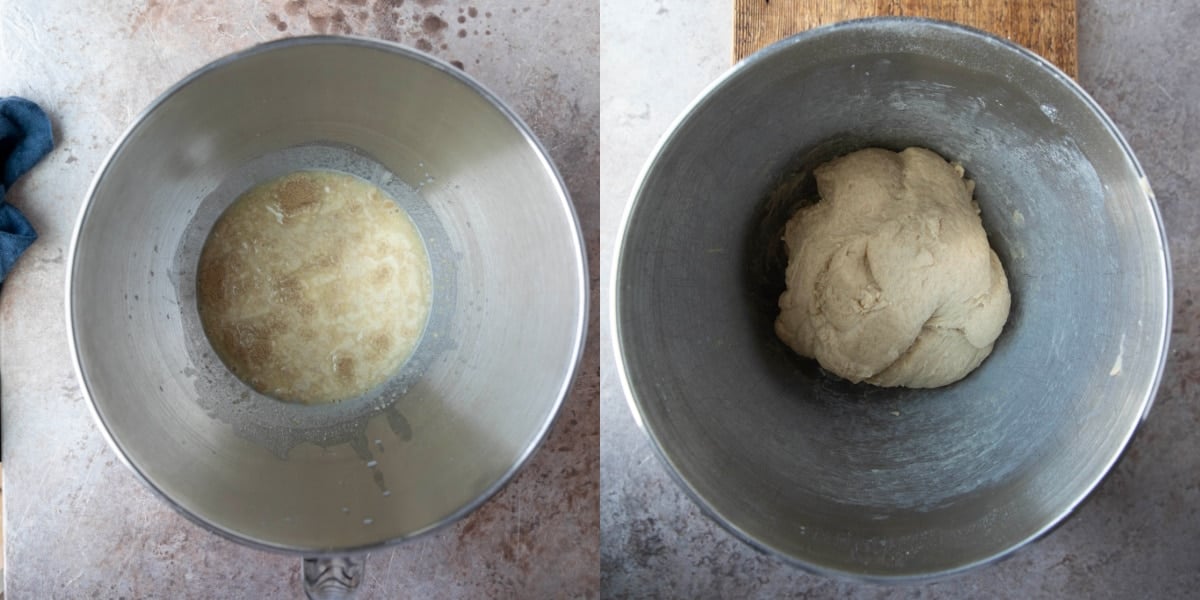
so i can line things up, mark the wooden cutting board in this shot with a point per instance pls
(1045, 26)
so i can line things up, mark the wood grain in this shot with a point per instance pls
(1045, 26)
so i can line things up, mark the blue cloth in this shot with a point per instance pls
(25, 137)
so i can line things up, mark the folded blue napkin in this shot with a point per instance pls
(25, 137)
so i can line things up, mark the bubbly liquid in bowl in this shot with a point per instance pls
(314, 287)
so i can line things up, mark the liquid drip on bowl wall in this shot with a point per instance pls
(279, 426)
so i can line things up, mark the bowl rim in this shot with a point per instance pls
(579, 328)
(668, 138)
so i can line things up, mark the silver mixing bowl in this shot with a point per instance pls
(891, 484)
(488, 376)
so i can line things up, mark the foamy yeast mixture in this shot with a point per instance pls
(314, 287)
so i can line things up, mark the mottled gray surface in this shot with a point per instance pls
(77, 522)
(1138, 536)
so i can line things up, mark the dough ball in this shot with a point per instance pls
(890, 277)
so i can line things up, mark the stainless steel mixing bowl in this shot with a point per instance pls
(891, 484)
(488, 377)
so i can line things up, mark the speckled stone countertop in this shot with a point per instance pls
(1137, 537)
(78, 523)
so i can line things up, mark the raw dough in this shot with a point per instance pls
(314, 287)
(890, 278)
